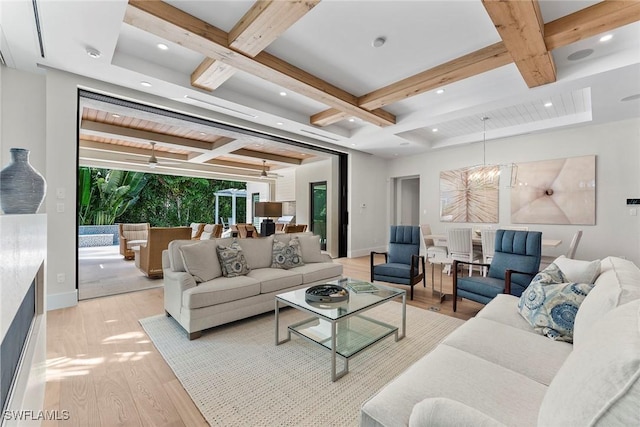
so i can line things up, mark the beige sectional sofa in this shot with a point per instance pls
(495, 370)
(199, 296)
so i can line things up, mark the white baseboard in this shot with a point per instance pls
(62, 300)
(365, 252)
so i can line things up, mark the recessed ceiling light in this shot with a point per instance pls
(283, 93)
(353, 144)
(115, 115)
(280, 123)
(434, 130)
(580, 54)
(202, 133)
(606, 38)
(379, 42)
(162, 46)
(93, 53)
(352, 119)
(440, 91)
(548, 104)
(145, 84)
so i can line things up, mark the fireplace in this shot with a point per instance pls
(22, 314)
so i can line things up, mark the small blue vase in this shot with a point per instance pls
(22, 188)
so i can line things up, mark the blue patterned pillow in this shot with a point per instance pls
(286, 255)
(232, 260)
(550, 303)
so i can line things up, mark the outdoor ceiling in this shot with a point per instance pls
(309, 70)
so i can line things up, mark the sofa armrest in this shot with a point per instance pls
(440, 411)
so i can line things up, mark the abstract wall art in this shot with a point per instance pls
(470, 194)
(560, 191)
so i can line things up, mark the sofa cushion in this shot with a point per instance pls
(232, 260)
(618, 284)
(507, 396)
(532, 355)
(550, 305)
(220, 290)
(439, 411)
(599, 384)
(311, 249)
(201, 261)
(317, 271)
(286, 255)
(175, 256)
(275, 279)
(257, 251)
(504, 309)
(578, 271)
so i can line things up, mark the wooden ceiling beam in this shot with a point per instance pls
(245, 152)
(597, 19)
(480, 61)
(232, 164)
(129, 134)
(265, 22)
(521, 28)
(105, 146)
(257, 29)
(179, 27)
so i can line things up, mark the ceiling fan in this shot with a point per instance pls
(264, 174)
(152, 162)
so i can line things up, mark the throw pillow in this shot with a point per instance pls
(200, 261)
(286, 255)
(232, 260)
(311, 249)
(576, 270)
(550, 303)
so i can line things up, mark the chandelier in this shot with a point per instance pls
(487, 174)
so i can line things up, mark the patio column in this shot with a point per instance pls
(217, 217)
(233, 209)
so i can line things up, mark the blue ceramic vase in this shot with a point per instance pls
(22, 188)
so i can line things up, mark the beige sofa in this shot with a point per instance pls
(495, 370)
(199, 296)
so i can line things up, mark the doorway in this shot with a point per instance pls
(318, 209)
(405, 197)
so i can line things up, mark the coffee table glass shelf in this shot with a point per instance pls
(341, 327)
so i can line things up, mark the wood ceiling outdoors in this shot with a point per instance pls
(526, 41)
(119, 133)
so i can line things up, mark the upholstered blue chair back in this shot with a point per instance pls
(516, 250)
(404, 241)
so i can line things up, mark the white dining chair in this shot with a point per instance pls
(546, 260)
(460, 246)
(488, 238)
(433, 250)
(514, 227)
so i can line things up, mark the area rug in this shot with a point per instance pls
(237, 376)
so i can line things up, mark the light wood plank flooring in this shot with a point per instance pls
(105, 371)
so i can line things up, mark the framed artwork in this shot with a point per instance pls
(470, 194)
(560, 191)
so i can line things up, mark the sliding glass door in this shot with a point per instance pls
(318, 211)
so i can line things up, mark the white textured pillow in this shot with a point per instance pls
(578, 271)
(310, 246)
(599, 383)
(201, 261)
(618, 284)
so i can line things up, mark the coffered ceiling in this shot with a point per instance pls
(391, 78)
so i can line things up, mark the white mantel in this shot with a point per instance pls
(23, 248)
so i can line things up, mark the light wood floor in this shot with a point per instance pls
(103, 369)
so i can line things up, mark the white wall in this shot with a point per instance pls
(23, 117)
(617, 147)
(368, 204)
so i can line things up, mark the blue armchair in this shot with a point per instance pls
(516, 261)
(402, 261)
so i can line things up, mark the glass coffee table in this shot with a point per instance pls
(342, 327)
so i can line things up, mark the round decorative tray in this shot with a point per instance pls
(326, 293)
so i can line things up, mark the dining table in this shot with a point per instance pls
(442, 238)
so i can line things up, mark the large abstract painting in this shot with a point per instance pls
(470, 194)
(560, 191)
